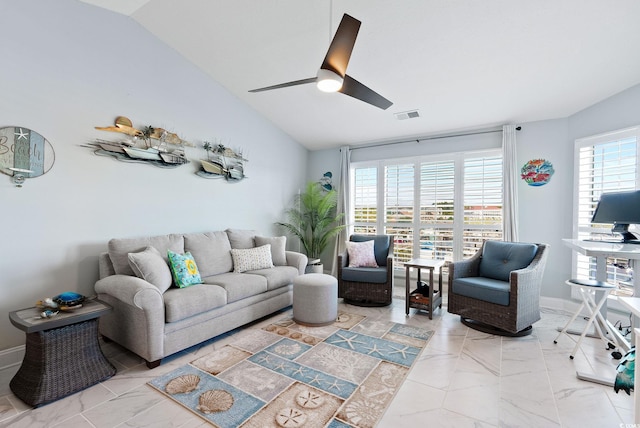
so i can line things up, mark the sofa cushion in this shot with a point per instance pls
(181, 303)
(149, 265)
(365, 274)
(278, 276)
(251, 258)
(499, 258)
(361, 254)
(184, 269)
(240, 238)
(278, 247)
(238, 285)
(481, 288)
(119, 249)
(211, 251)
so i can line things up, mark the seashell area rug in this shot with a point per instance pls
(288, 375)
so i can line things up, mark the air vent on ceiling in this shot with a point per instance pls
(407, 115)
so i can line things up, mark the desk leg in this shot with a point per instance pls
(636, 293)
(607, 327)
(431, 285)
(440, 285)
(636, 375)
(407, 289)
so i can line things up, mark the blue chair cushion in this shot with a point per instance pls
(365, 274)
(380, 246)
(499, 258)
(485, 289)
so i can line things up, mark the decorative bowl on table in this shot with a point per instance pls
(69, 300)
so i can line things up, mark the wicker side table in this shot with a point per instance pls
(62, 354)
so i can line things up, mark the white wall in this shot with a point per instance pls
(545, 212)
(67, 67)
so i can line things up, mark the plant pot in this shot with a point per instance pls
(315, 268)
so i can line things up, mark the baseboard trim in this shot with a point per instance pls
(570, 306)
(11, 357)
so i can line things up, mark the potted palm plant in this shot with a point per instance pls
(313, 220)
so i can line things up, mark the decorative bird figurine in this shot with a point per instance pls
(625, 372)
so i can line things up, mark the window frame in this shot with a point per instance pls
(458, 225)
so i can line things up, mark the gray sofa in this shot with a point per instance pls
(154, 319)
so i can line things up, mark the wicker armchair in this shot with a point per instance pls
(367, 286)
(498, 289)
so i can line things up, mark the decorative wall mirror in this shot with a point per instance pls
(24, 154)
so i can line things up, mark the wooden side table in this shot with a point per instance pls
(62, 354)
(428, 303)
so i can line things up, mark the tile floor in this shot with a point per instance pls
(464, 378)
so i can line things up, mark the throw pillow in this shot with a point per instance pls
(251, 258)
(149, 265)
(184, 269)
(241, 238)
(278, 244)
(361, 254)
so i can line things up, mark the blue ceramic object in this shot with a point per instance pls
(625, 373)
(69, 298)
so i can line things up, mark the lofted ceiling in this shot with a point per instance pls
(462, 64)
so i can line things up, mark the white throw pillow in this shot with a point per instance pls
(149, 265)
(361, 254)
(251, 258)
(278, 246)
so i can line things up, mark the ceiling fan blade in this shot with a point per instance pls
(339, 52)
(357, 90)
(285, 85)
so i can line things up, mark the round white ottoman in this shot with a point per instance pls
(315, 299)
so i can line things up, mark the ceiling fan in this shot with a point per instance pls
(332, 75)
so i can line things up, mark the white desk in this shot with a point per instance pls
(633, 304)
(601, 251)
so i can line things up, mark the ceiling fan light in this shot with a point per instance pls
(328, 81)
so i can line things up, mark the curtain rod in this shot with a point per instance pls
(435, 137)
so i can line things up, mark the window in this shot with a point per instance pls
(604, 163)
(437, 191)
(365, 196)
(482, 202)
(399, 208)
(439, 207)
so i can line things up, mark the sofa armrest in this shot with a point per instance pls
(343, 259)
(138, 317)
(132, 291)
(463, 269)
(528, 281)
(297, 260)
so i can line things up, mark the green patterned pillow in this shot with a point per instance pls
(184, 269)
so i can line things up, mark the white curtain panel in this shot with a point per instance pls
(343, 205)
(510, 175)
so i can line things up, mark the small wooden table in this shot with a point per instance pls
(62, 353)
(435, 296)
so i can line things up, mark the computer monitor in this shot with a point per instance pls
(621, 209)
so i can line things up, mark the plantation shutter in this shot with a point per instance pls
(365, 200)
(437, 197)
(482, 202)
(399, 208)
